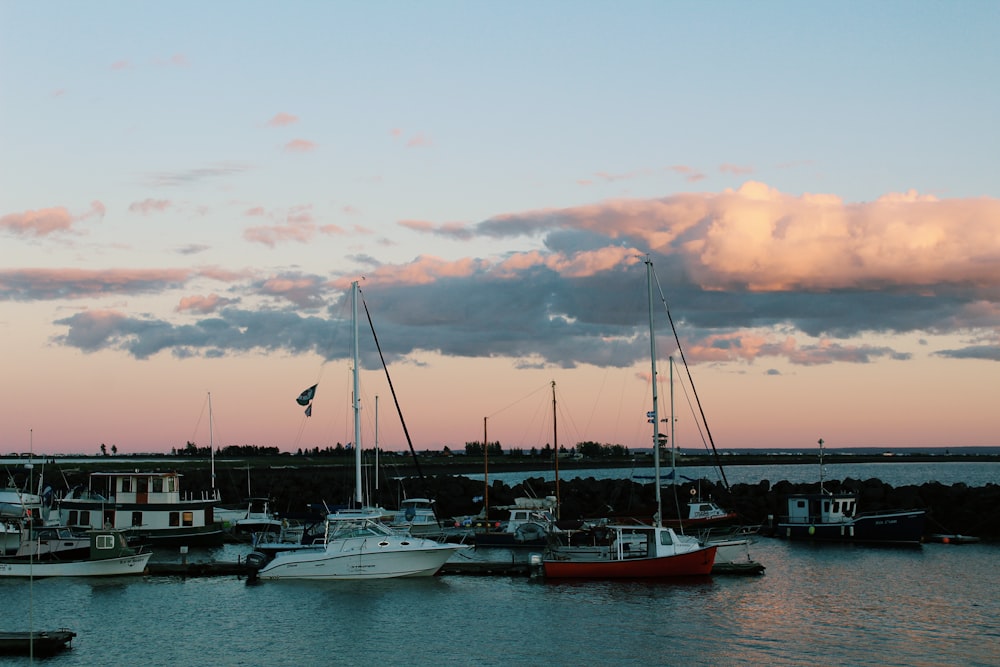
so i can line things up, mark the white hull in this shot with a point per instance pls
(362, 558)
(108, 567)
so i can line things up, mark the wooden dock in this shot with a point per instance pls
(451, 568)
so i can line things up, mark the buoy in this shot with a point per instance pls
(945, 540)
(812, 530)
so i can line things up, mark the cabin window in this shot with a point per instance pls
(71, 519)
(171, 484)
(175, 518)
(126, 485)
(665, 538)
(142, 485)
(157, 485)
(105, 541)
(188, 518)
(836, 505)
(800, 504)
(136, 518)
(84, 518)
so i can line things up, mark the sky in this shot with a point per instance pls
(188, 190)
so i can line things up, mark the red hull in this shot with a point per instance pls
(693, 563)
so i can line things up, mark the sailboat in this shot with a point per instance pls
(637, 551)
(356, 543)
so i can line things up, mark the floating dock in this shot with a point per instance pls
(468, 567)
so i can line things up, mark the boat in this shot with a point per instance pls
(52, 543)
(417, 517)
(835, 517)
(256, 519)
(147, 506)
(637, 551)
(109, 555)
(530, 523)
(356, 543)
(41, 643)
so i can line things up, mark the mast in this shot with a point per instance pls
(486, 473)
(821, 489)
(654, 415)
(673, 440)
(356, 401)
(211, 442)
(376, 448)
(555, 444)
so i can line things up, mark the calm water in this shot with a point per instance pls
(896, 474)
(830, 605)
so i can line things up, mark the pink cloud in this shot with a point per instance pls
(418, 140)
(299, 146)
(760, 238)
(149, 205)
(282, 119)
(423, 270)
(203, 304)
(690, 174)
(417, 225)
(38, 223)
(735, 169)
(44, 284)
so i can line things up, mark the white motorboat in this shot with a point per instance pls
(356, 543)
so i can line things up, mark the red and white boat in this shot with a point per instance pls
(637, 551)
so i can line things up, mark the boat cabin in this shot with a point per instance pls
(150, 502)
(810, 509)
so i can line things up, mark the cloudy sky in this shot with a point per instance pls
(187, 191)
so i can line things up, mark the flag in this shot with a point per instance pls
(307, 395)
(309, 410)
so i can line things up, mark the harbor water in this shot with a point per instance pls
(816, 604)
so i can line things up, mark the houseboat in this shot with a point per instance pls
(147, 506)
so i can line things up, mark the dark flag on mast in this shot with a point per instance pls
(306, 397)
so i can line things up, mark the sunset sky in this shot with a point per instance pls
(187, 191)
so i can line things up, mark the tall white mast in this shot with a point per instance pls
(655, 413)
(357, 401)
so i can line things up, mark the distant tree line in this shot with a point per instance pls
(588, 450)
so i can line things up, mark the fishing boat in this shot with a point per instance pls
(148, 506)
(530, 523)
(637, 551)
(356, 543)
(835, 517)
(109, 555)
(42, 643)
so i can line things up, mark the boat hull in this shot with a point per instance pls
(40, 644)
(905, 528)
(359, 561)
(108, 567)
(692, 563)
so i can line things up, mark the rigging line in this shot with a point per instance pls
(392, 389)
(687, 369)
(543, 387)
